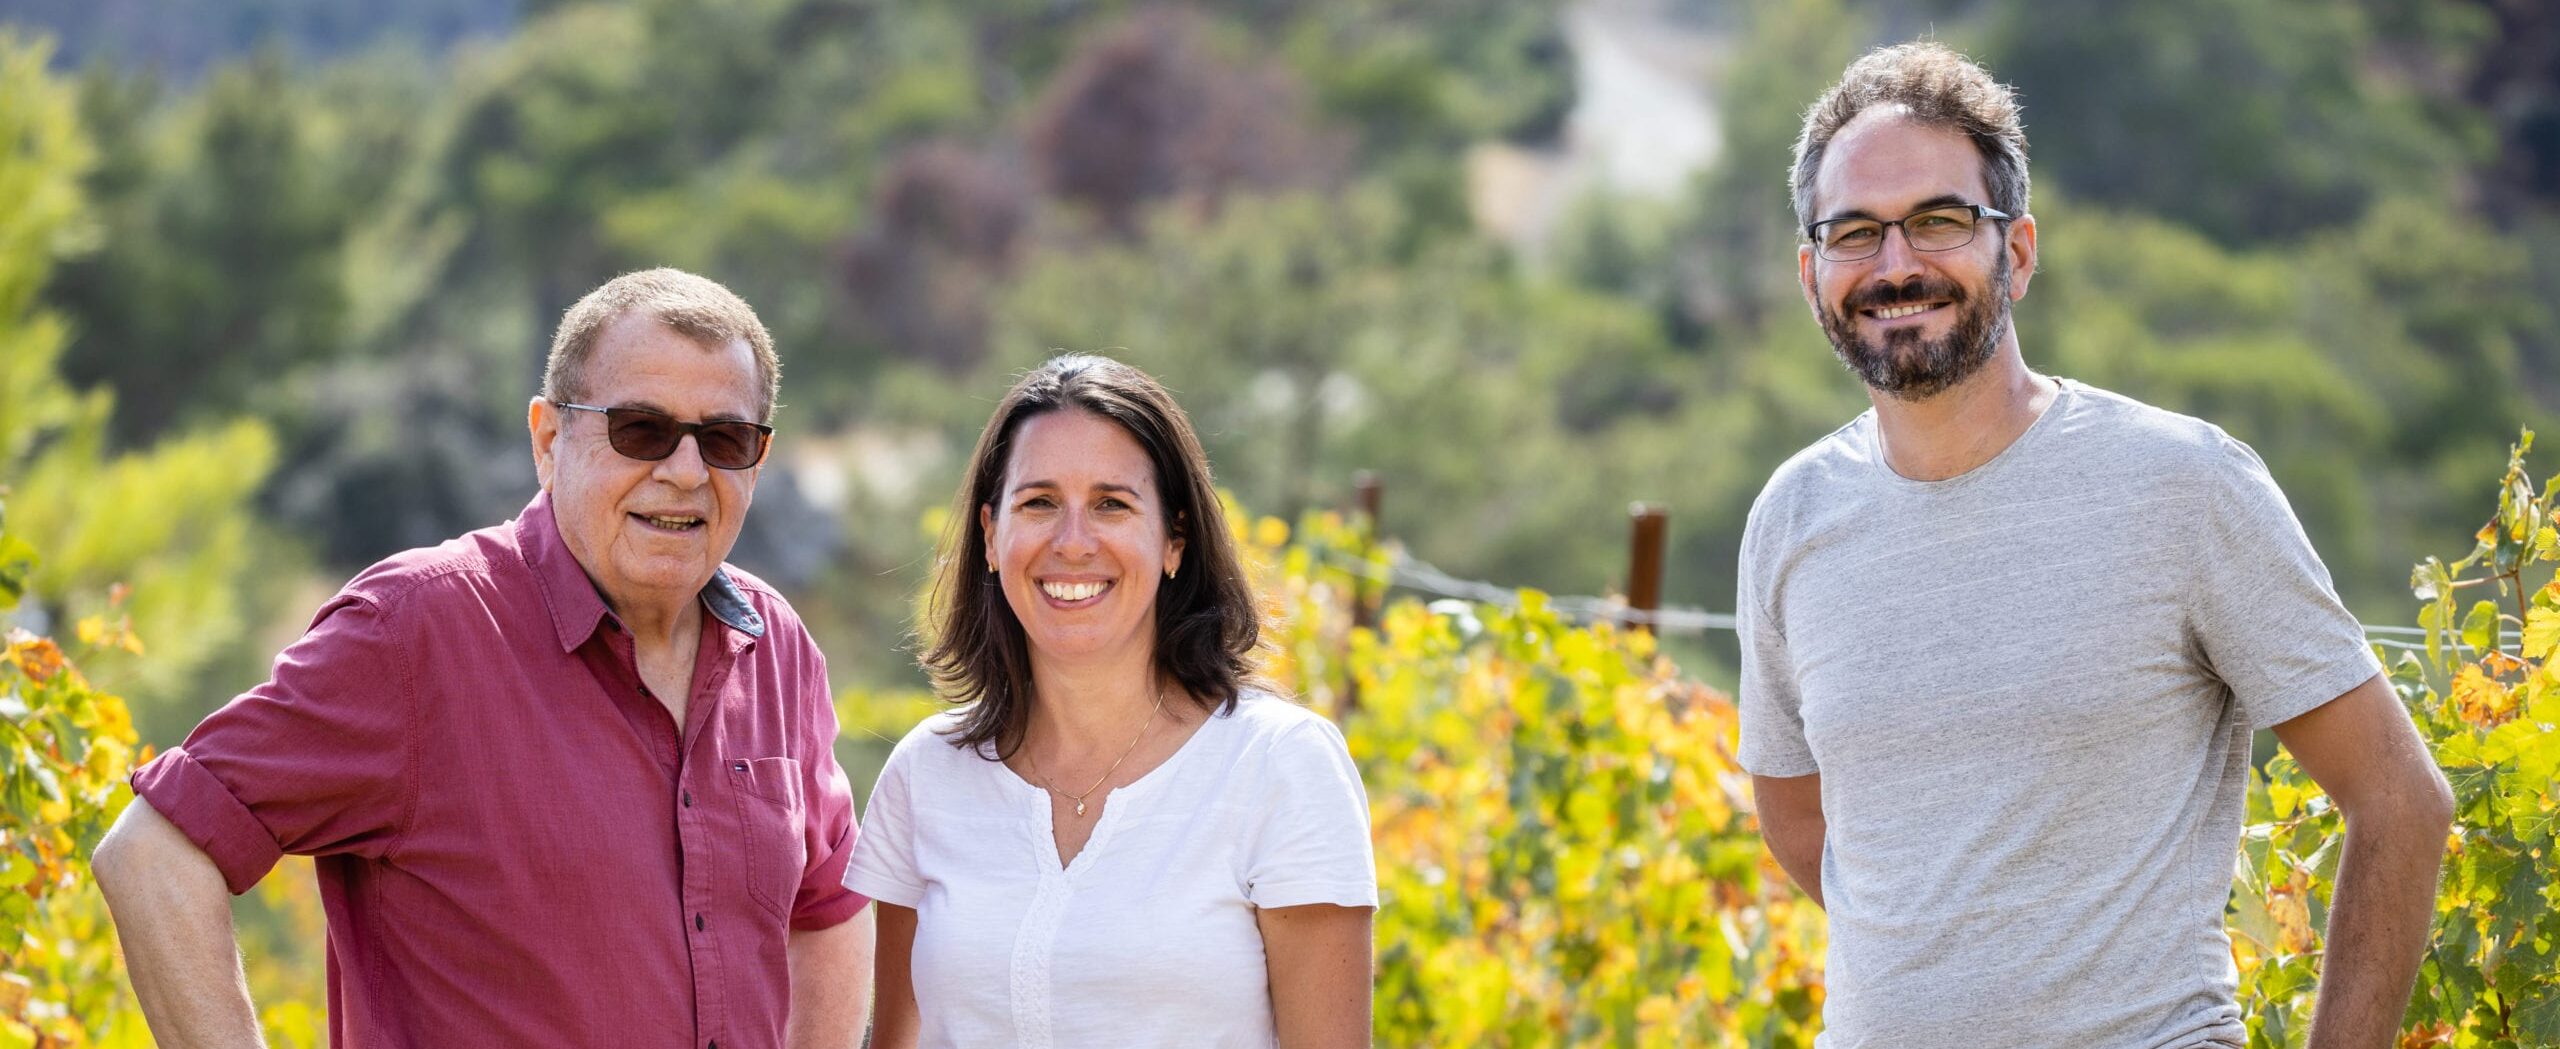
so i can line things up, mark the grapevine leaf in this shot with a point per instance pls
(2480, 628)
(2541, 632)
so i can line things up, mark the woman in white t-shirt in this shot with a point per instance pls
(1119, 840)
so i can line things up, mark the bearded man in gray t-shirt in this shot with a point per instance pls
(2005, 638)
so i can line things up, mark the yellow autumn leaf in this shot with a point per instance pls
(37, 657)
(2478, 699)
(2541, 631)
(108, 759)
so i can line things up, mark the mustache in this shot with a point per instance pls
(1920, 288)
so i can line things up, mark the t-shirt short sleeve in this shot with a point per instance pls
(1773, 740)
(1312, 843)
(2266, 616)
(315, 761)
(884, 860)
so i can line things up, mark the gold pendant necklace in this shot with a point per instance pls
(1052, 788)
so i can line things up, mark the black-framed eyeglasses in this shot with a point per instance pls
(650, 435)
(1929, 229)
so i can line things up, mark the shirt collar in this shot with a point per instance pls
(576, 608)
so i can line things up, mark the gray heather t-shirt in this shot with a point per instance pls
(2029, 691)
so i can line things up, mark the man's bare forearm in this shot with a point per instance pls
(1802, 860)
(2378, 925)
(831, 984)
(1792, 823)
(173, 916)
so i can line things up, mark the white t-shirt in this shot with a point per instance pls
(1148, 938)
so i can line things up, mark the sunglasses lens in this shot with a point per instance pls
(730, 445)
(650, 436)
(643, 435)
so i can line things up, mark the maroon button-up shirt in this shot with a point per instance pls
(516, 844)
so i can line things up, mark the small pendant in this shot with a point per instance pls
(1079, 808)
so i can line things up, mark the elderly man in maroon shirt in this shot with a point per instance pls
(568, 780)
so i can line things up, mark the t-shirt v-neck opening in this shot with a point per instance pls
(1044, 817)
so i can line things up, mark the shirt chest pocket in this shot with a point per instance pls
(770, 817)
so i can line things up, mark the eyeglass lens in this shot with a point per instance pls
(1937, 229)
(650, 436)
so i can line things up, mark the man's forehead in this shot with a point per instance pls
(1884, 162)
(642, 362)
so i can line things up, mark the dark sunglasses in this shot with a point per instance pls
(647, 435)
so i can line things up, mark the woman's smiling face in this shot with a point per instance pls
(1080, 539)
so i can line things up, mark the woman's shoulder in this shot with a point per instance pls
(1282, 727)
(929, 742)
(1260, 711)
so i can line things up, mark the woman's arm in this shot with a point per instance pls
(1319, 956)
(894, 1020)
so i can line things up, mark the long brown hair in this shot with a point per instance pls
(1207, 627)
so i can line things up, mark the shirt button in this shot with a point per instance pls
(697, 923)
(688, 799)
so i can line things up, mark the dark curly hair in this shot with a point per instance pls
(1207, 626)
(1941, 89)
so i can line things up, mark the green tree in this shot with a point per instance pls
(163, 536)
(2374, 367)
(1509, 417)
(220, 266)
(2243, 120)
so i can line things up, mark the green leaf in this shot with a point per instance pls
(2539, 1020)
(2519, 902)
(2480, 628)
(17, 559)
(48, 782)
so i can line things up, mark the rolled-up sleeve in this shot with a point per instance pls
(823, 900)
(318, 760)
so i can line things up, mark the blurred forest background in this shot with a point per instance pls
(1526, 262)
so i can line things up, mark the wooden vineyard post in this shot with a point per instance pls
(1366, 592)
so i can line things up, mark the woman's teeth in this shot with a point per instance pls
(1073, 591)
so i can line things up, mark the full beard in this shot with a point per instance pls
(1904, 364)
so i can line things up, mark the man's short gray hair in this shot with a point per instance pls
(697, 307)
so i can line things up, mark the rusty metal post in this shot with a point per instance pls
(1644, 561)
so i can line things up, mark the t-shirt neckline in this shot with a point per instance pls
(1873, 439)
